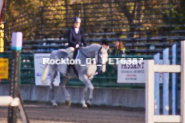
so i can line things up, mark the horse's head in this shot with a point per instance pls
(102, 57)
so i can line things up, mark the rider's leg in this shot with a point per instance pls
(68, 66)
(75, 53)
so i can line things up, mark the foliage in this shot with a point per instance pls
(175, 15)
(35, 18)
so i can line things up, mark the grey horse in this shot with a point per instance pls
(84, 71)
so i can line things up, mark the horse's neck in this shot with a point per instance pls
(90, 50)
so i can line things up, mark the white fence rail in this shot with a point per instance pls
(151, 68)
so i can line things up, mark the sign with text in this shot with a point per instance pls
(39, 68)
(133, 73)
(4, 68)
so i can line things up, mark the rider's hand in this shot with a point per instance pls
(77, 46)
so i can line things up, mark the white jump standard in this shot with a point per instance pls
(14, 101)
(9, 101)
(151, 68)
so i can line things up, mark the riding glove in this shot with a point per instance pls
(77, 46)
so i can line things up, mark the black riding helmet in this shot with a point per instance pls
(76, 19)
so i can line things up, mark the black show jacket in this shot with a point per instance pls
(74, 39)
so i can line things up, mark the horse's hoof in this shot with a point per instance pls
(88, 105)
(85, 107)
(68, 103)
(55, 105)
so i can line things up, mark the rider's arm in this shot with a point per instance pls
(83, 39)
(69, 36)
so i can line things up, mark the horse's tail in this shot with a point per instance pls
(45, 74)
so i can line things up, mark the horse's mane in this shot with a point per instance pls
(92, 46)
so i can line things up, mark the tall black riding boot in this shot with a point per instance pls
(75, 53)
(68, 66)
(68, 70)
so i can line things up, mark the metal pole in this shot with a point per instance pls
(157, 86)
(5, 6)
(174, 80)
(16, 47)
(133, 41)
(66, 4)
(42, 22)
(139, 15)
(84, 17)
(12, 111)
(170, 14)
(182, 84)
(111, 13)
(166, 83)
(147, 41)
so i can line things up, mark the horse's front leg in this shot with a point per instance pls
(91, 89)
(88, 85)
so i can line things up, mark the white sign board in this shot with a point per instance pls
(39, 67)
(133, 73)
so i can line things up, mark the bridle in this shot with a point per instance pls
(98, 56)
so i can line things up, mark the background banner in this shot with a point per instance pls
(39, 67)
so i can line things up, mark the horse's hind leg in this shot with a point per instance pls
(52, 78)
(63, 86)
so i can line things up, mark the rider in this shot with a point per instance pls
(75, 37)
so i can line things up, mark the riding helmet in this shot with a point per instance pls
(76, 19)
